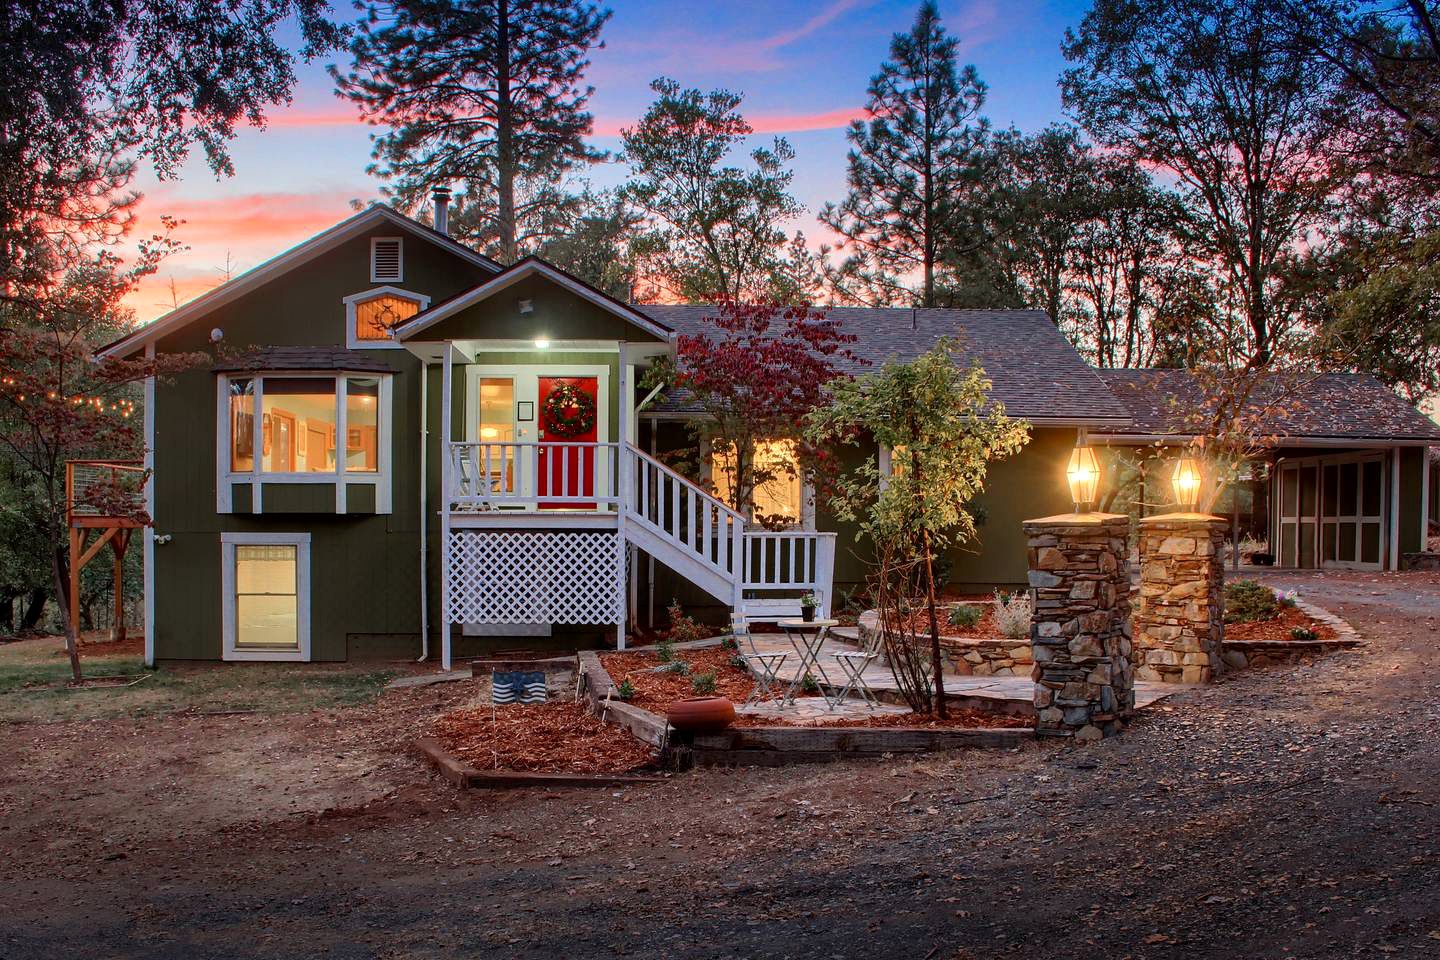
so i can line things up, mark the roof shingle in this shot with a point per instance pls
(1036, 373)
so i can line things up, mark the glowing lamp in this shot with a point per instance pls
(1083, 472)
(489, 433)
(542, 343)
(1186, 481)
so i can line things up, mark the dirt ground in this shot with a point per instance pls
(1280, 813)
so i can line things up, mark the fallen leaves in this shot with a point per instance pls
(548, 738)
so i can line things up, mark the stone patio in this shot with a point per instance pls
(1014, 695)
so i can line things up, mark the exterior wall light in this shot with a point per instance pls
(1083, 472)
(1186, 481)
(542, 344)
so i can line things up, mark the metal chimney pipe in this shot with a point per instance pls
(441, 196)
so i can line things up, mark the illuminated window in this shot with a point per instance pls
(497, 426)
(266, 583)
(242, 425)
(780, 496)
(378, 317)
(267, 598)
(362, 424)
(299, 419)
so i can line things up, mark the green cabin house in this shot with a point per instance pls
(403, 448)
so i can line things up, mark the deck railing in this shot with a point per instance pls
(789, 560)
(498, 475)
(105, 492)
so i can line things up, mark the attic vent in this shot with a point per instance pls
(386, 265)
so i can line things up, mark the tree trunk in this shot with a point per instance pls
(936, 665)
(504, 138)
(34, 610)
(59, 563)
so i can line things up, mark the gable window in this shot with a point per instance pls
(372, 317)
(781, 498)
(387, 259)
(266, 599)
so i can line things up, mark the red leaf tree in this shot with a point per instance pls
(754, 372)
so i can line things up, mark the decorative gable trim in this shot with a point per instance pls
(278, 266)
(387, 260)
(531, 266)
(352, 341)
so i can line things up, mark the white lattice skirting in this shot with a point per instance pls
(536, 577)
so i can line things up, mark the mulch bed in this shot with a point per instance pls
(984, 630)
(656, 691)
(1278, 628)
(556, 737)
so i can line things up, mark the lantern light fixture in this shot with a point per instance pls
(1186, 481)
(1083, 473)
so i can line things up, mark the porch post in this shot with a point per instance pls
(446, 467)
(1394, 510)
(623, 488)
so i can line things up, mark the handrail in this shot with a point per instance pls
(719, 504)
(507, 472)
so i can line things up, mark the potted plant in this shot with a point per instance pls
(808, 605)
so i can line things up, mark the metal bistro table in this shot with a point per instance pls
(807, 637)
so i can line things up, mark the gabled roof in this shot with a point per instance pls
(283, 263)
(1310, 407)
(529, 267)
(1036, 372)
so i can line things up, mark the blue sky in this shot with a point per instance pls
(802, 66)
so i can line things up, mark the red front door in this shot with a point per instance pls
(569, 414)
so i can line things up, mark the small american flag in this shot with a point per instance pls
(518, 686)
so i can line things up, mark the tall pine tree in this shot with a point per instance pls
(919, 154)
(489, 93)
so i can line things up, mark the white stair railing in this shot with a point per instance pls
(702, 527)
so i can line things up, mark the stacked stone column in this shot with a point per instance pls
(1080, 630)
(1181, 623)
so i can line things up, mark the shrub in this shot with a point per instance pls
(809, 685)
(1012, 614)
(965, 615)
(684, 629)
(1304, 635)
(1247, 601)
(625, 690)
(729, 643)
(738, 662)
(665, 651)
(703, 682)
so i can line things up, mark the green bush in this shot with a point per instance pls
(965, 615)
(665, 651)
(1304, 635)
(1247, 601)
(625, 690)
(703, 682)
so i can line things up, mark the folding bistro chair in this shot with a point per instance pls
(853, 664)
(764, 666)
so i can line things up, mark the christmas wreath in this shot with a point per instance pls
(569, 411)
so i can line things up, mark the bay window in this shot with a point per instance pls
(301, 427)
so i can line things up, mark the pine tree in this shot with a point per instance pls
(488, 93)
(910, 167)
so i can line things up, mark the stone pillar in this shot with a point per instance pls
(1080, 630)
(1181, 621)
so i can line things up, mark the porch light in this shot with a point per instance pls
(1083, 473)
(1186, 481)
(542, 344)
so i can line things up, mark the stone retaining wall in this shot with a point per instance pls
(1080, 630)
(987, 656)
(1180, 623)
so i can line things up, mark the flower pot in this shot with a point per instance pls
(701, 714)
(807, 614)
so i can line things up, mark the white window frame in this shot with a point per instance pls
(352, 340)
(301, 543)
(807, 491)
(400, 260)
(380, 478)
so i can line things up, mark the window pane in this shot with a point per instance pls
(267, 605)
(242, 425)
(377, 319)
(899, 457)
(497, 425)
(299, 424)
(779, 495)
(362, 424)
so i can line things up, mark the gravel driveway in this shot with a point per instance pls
(1280, 813)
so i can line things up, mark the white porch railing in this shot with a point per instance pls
(664, 514)
(492, 475)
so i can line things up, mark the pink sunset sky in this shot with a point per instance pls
(803, 68)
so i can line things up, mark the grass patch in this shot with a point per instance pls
(33, 674)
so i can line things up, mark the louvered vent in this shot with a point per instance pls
(385, 260)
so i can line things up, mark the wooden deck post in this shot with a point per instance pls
(625, 490)
(446, 489)
(118, 545)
